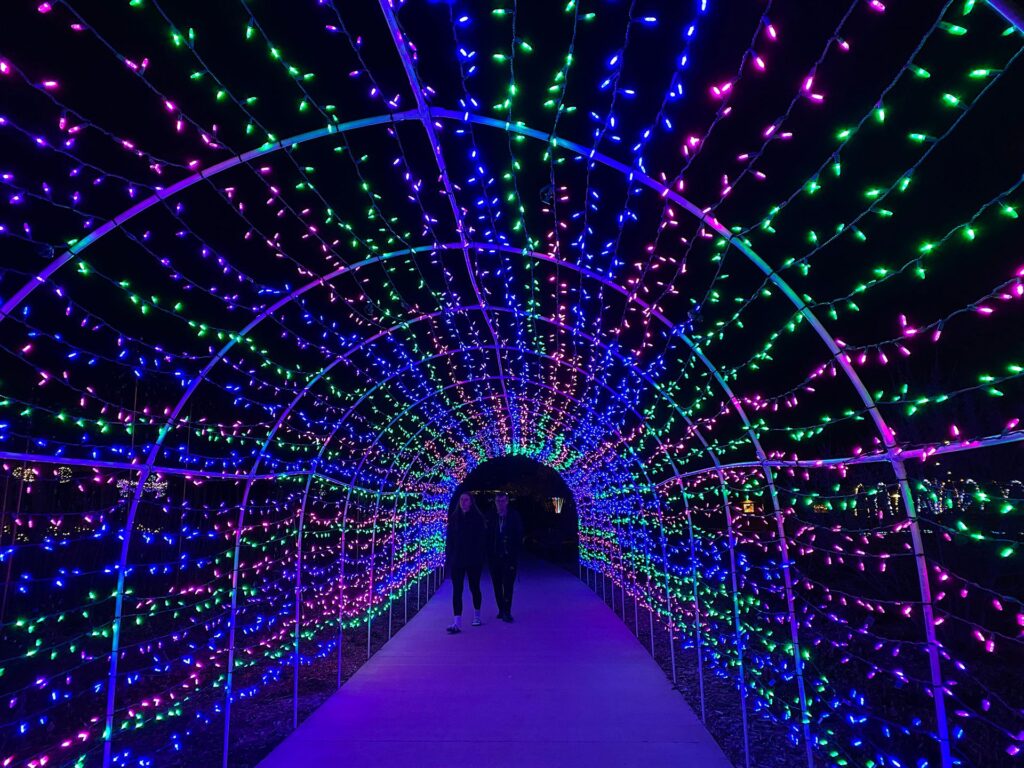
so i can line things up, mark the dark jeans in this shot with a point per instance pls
(503, 576)
(459, 572)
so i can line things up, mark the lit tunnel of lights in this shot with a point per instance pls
(277, 277)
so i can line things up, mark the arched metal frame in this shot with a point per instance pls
(427, 115)
(248, 488)
(724, 491)
(356, 475)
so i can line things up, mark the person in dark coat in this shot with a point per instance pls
(504, 543)
(466, 550)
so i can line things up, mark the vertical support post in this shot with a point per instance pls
(650, 615)
(14, 534)
(341, 592)
(391, 565)
(611, 560)
(636, 607)
(369, 599)
(736, 621)
(696, 609)
(115, 644)
(622, 573)
(298, 603)
(798, 662)
(668, 606)
(122, 566)
(927, 611)
(663, 541)
(3, 530)
(233, 621)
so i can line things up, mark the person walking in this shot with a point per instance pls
(466, 549)
(504, 544)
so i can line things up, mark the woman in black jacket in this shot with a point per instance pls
(466, 549)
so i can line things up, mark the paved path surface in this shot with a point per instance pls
(566, 685)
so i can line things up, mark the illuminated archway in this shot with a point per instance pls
(278, 367)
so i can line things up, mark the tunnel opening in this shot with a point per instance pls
(542, 498)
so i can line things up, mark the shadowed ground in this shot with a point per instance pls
(566, 685)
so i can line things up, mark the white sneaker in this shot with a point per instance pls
(476, 621)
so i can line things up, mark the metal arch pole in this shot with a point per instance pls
(373, 565)
(342, 558)
(938, 687)
(736, 620)
(373, 561)
(724, 488)
(668, 587)
(696, 606)
(108, 729)
(1009, 10)
(344, 523)
(391, 562)
(235, 565)
(787, 576)
(783, 546)
(172, 190)
(233, 622)
(402, 496)
(298, 602)
(636, 605)
(665, 564)
(423, 114)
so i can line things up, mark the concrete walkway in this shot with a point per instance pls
(566, 685)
